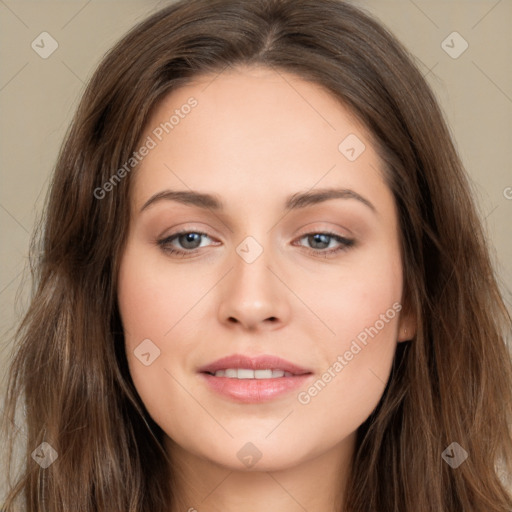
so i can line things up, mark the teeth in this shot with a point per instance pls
(246, 373)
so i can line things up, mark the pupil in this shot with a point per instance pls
(320, 238)
(189, 238)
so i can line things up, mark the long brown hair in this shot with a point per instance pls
(451, 383)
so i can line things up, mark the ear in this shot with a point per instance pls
(407, 326)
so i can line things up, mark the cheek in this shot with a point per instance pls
(160, 310)
(149, 308)
(152, 301)
(362, 309)
(351, 383)
(357, 295)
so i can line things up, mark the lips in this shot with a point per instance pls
(253, 380)
(263, 362)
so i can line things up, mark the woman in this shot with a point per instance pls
(260, 369)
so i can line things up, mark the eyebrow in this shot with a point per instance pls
(293, 202)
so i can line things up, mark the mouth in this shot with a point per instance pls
(252, 380)
(247, 373)
(239, 366)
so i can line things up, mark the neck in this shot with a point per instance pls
(315, 484)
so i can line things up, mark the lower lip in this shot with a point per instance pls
(254, 390)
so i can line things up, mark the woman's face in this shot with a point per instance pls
(293, 254)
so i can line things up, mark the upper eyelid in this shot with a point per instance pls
(309, 230)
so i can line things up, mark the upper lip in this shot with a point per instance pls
(262, 362)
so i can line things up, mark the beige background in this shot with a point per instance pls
(38, 97)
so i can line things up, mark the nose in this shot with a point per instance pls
(253, 295)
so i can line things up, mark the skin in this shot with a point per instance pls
(255, 138)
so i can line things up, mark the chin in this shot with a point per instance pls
(252, 454)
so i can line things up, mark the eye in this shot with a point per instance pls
(322, 240)
(189, 241)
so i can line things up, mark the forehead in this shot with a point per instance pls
(257, 99)
(254, 131)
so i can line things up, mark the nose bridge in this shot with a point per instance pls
(251, 279)
(252, 293)
(251, 265)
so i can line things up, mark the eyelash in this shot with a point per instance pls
(345, 244)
